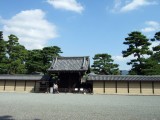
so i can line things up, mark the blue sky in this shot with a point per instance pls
(79, 27)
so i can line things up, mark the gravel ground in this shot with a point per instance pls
(37, 106)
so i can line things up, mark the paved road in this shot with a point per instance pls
(78, 107)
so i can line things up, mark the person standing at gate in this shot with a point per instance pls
(55, 88)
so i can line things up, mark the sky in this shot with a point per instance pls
(80, 27)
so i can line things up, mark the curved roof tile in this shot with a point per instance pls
(70, 64)
(123, 78)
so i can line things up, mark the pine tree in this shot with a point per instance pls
(138, 46)
(103, 64)
(3, 58)
(16, 56)
(40, 60)
(153, 63)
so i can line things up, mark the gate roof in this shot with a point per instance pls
(70, 64)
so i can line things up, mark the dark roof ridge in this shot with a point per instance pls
(71, 57)
(128, 75)
(124, 77)
(21, 75)
(24, 77)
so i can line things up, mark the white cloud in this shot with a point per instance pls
(155, 43)
(134, 4)
(70, 5)
(122, 61)
(152, 26)
(131, 5)
(117, 5)
(31, 27)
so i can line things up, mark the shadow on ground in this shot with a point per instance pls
(8, 117)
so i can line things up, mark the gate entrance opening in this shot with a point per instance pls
(70, 71)
(68, 81)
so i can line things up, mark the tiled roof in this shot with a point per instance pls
(70, 64)
(24, 77)
(123, 78)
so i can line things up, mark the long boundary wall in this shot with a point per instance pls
(127, 87)
(19, 86)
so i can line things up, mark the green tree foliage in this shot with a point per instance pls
(103, 64)
(153, 63)
(3, 58)
(16, 56)
(48, 53)
(15, 59)
(138, 46)
(34, 61)
(152, 66)
(40, 60)
(157, 38)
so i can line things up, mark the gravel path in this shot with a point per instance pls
(36, 106)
